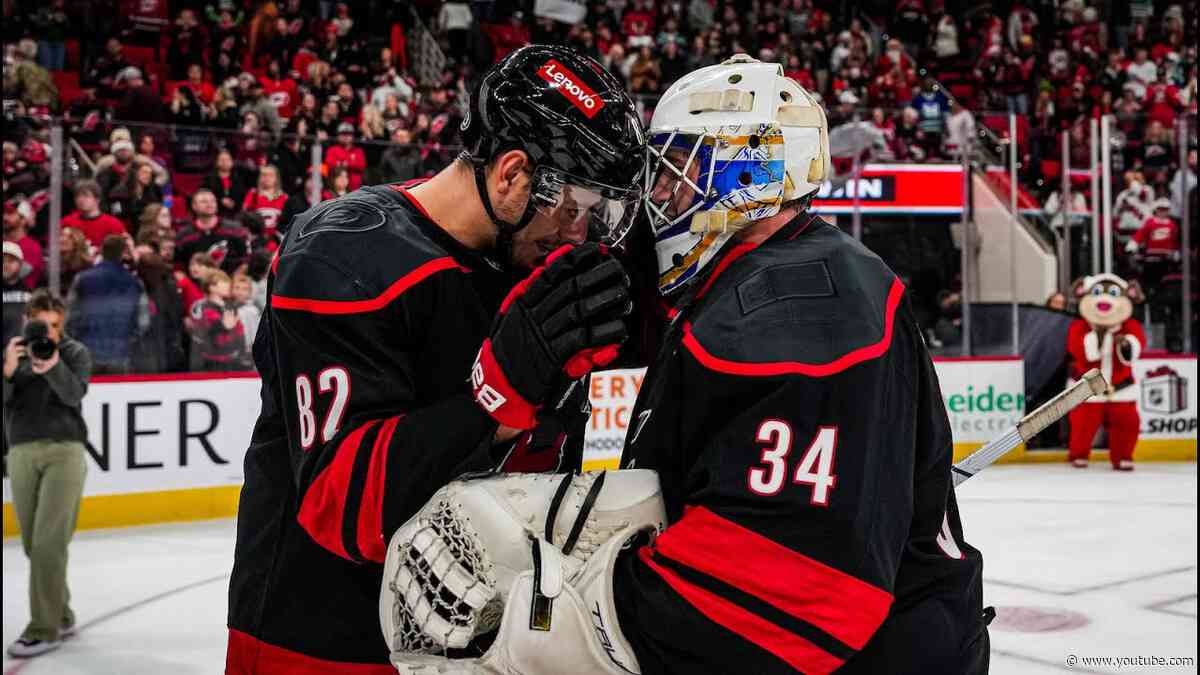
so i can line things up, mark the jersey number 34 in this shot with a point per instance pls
(815, 467)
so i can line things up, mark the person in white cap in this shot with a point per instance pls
(16, 294)
(18, 218)
(346, 155)
(1159, 235)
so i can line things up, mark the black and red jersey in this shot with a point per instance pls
(374, 319)
(227, 243)
(796, 423)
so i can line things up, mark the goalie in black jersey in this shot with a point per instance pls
(417, 333)
(806, 521)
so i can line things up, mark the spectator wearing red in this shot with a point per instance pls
(507, 37)
(226, 185)
(346, 155)
(202, 89)
(638, 21)
(18, 216)
(191, 283)
(281, 90)
(88, 218)
(266, 199)
(226, 242)
(217, 332)
(1159, 235)
(1162, 103)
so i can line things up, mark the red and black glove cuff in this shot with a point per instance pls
(496, 395)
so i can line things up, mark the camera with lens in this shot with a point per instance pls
(36, 338)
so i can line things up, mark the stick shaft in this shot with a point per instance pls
(1051, 411)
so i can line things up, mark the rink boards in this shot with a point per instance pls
(170, 448)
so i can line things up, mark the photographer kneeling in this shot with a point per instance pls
(45, 377)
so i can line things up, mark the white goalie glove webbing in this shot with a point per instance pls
(551, 625)
(449, 569)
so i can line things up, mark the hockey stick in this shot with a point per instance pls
(1031, 425)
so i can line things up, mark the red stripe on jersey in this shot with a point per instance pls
(376, 303)
(735, 253)
(839, 364)
(838, 603)
(799, 653)
(403, 190)
(370, 512)
(325, 500)
(247, 655)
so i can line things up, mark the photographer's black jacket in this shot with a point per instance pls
(47, 407)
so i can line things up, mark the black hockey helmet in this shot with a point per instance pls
(578, 127)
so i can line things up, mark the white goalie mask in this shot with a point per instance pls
(728, 145)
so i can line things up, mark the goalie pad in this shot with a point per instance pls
(550, 626)
(449, 569)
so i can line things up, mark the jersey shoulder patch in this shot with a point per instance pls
(814, 305)
(363, 250)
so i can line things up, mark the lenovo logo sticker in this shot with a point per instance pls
(568, 84)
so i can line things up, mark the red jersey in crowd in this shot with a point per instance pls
(188, 290)
(95, 229)
(1158, 236)
(352, 158)
(282, 94)
(220, 348)
(204, 91)
(269, 207)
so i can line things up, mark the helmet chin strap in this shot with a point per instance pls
(505, 231)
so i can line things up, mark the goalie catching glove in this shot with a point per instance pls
(565, 317)
(535, 549)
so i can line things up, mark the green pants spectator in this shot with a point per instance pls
(47, 484)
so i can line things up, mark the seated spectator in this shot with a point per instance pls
(110, 176)
(202, 90)
(88, 218)
(266, 200)
(108, 308)
(257, 269)
(29, 82)
(1159, 235)
(16, 293)
(345, 155)
(140, 102)
(18, 217)
(402, 160)
(226, 242)
(226, 185)
(156, 218)
(191, 284)
(298, 202)
(1157, 153)
(645, 74)
(339, 182)
(292, 156)
(248, 312)
(281, 90)
(137, 191)
(188, 43)
(77, 255)
(218, 337)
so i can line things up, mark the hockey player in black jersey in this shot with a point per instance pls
(794, 420)
(414, 334)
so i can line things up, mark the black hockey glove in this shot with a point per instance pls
(565, 317)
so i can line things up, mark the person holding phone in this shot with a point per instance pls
(45, 378)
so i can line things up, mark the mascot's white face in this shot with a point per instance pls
(1106, 300)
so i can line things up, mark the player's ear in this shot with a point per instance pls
(1134, 293)
(507, 169)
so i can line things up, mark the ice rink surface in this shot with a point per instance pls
(1079, 563)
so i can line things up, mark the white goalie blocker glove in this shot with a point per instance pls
(535, 549)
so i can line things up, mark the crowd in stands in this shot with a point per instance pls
(194, 126)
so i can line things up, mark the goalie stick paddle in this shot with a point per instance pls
(1091, 384)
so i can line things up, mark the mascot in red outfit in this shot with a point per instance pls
(1109, 338)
